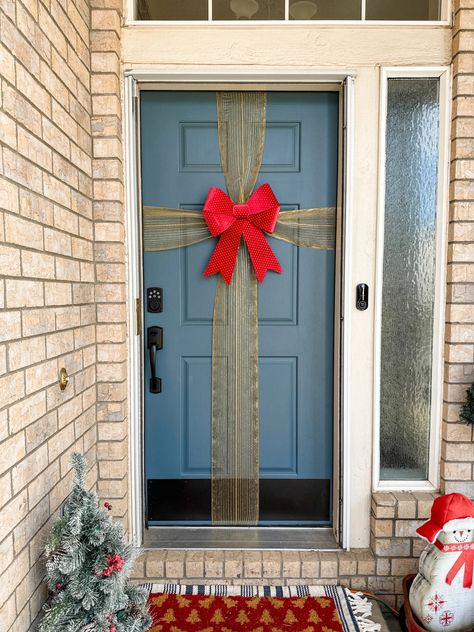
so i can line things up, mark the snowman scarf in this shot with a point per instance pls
(466, 559)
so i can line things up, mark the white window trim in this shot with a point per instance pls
(444, 75)
(135, 316)
(444, 21)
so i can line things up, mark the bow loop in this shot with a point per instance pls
(232, 221)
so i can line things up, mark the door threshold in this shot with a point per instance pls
(241, 538)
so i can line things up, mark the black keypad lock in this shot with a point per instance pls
(154, 299)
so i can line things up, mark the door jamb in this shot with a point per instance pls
(133, 244)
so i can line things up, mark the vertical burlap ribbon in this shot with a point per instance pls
(235, 424)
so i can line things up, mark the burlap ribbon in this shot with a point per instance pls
(235, 423)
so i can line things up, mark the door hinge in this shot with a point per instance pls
(138, 316)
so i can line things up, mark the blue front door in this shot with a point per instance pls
(179, 163)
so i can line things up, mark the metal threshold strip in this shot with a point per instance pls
(242, 538)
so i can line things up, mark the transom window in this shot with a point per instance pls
(289, 10)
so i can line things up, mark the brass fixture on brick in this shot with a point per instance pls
(63, 379)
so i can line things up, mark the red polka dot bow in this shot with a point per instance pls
(231, 221)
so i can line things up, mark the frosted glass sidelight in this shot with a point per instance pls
(408, 290)
(403, 10)
(248, 9)
(172, 9)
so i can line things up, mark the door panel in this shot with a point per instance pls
(180, 162)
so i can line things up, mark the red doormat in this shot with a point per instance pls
(179, 608)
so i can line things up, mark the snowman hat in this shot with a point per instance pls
(451, 512)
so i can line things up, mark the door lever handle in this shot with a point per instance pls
(154, 344)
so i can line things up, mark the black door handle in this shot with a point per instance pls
(154, 344)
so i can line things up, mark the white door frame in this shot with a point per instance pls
(133, 244)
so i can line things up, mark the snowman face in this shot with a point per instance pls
(460, 533)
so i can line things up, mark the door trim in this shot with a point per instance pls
(135, 79)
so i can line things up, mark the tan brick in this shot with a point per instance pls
(23, 232)
(271, 564)
(214, 564)
(174, 564)
(9, 196)
(404, 566)
(8, 613)
(406, 505)
(36, 93)
(59, 343)
(6, 553)
(23, 293)
(13, 450)
(406, 528)
(54, 136)
(347, 564)
(37, 265)
(9, 130)
(456, 471)
(42, 484)
(233, 564)
(459, 451)
(12, 514)
(329, 564)
(59, 442)
(309, 565)
(19, 108)
(27, 528)
(10, 325)
(26, 352)
(12, 388)
(28, 26)
(7, 62)
(155, 564)
(291, 564)
(195, 564)
(37, 321)
(382, 528)
(27, 411)
(456, 432)
(425, 501)
(35, 207)
(21, 170)
(382, 566)
(59, 293)
(398, 546)
(27, 469)
(3, 363)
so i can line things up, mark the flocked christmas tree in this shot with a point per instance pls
(467, 410)
(88, 569)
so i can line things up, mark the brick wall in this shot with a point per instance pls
(110, 255)
(457, 454)
(47, 276)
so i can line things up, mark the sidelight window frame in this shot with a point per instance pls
(445, 19)
(444, 75)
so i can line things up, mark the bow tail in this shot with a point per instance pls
(466, 559)
(262, 256)
(225, 253)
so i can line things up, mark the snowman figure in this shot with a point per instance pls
(442, 594)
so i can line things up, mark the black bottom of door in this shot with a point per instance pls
(281, 500)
